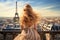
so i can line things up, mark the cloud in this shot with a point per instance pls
(7, 8)
(47, 11)
(48, 7)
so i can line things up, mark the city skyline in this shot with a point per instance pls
(42, 7)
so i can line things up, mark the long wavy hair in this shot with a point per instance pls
(29, 17)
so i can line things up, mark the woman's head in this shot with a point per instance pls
(29, 17)
(27, 7)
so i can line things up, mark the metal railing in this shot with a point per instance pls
(43, 35)
(49, 35)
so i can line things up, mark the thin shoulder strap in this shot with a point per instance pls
(35, 26)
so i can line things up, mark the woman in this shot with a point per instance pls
(28, 23)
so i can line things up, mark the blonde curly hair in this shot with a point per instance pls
(29, 17)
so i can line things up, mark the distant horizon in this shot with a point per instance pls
(46, 16)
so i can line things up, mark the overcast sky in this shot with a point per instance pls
(43, 7)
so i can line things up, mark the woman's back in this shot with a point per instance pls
(30, 34)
